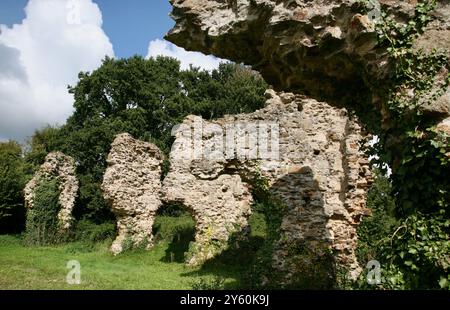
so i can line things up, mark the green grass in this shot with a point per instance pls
(44, 267)
(23, 267)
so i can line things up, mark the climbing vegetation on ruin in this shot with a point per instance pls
(415, 252)
(420, 176)
(42, 227)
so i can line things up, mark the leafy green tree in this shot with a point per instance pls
(41, 143)
(231, 89)
(379, 224)
(12, 181)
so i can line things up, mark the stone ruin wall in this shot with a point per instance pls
(321, 175)
(62, 168)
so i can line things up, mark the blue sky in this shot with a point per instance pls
(130, 24)
(140, 22)
(44, 44)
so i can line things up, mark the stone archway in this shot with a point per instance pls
(219, 203)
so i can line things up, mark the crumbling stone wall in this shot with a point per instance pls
(320, 174)
(219, 201)
(62, 168)
(131, 186)
(317, 169)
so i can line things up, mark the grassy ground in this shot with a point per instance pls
(31, 267)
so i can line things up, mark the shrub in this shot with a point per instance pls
(258, 224)
(374, 228)
(168, 227)
(216, 283)
(90, 232)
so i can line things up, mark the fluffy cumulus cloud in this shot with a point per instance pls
(41, 56)
(161, 47)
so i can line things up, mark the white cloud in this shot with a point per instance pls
(41, 56)
(161, 47)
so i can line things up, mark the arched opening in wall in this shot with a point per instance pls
(270, 255)
(174, 232)
(174, 226)
(233, 267)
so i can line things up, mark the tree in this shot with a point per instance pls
(12, 181)
(41, 143)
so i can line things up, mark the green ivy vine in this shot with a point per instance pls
(422, 159)
(416, 253)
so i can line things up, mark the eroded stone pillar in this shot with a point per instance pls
(62, 168)
(131, 186)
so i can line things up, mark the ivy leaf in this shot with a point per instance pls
(444, 283)
(435, 144)
(412, 251)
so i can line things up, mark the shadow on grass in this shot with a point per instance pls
(234, 262)
(179, 245)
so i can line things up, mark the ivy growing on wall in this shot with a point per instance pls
(416, 254)
(262, 273)
(42, 227)
(309, 267)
